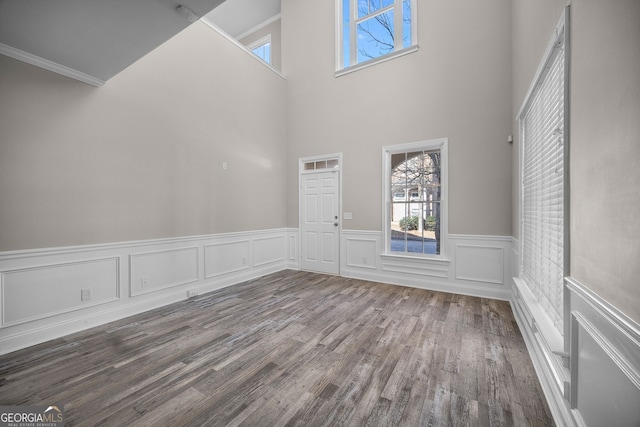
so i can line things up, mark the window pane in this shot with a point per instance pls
(406, 23)
(332, 164)
(375, 36)
(432, 225)
(399, 226)
(367, 7)
(346, 33)
(432, 175)
(415, 207)
(263, 52)
(369, 30)
(374, 6)
(309, 166)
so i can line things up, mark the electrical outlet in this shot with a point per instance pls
(192, 293)
(144, 281)
(85, 294)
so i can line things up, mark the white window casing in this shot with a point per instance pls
(347, 26)
(393, 197)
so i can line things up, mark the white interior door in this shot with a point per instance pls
(319, 225)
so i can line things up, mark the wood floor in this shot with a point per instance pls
(291, 349)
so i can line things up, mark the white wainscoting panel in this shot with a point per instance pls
(478, 265)
(42, 288)
(602, 381)
(226, 257)
(43, 291)
(361, 252)
(156, 270)
(269, 250)
(605, 360)
(415, 267)
(293, 251)
(515, 257)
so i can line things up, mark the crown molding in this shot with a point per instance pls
(49, 65)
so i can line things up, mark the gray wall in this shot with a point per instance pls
(141, 157)
(605, 136)
(605, 156)
(457, 85)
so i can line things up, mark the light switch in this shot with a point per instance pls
(347, 215)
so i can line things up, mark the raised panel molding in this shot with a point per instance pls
(605, 360)
(397, 265)
(479, 265)
(361, 252)
(269, 250)
(58, 287)
(226, 257)
(293, 250)
(515, 258)
(41, 288)
(157, 270)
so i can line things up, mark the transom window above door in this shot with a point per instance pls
(321, 164)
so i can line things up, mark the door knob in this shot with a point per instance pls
(335, 223)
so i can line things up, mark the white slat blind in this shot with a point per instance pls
(542, 127)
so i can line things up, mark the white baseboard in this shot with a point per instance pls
(42, 289)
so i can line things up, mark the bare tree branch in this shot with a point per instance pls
(386, 23)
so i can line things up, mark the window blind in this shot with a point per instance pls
(542, 127)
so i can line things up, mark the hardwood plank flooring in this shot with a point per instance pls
(291, 349)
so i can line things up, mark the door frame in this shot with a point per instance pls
(302, 161)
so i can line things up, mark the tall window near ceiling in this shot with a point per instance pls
(543, 131)
(374, 29)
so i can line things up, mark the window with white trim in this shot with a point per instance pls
(262, 48)
(372, 29)
(415, 205)
(543, 174)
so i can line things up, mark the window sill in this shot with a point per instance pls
(376, 61)
(541, 321)
(425, 259)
